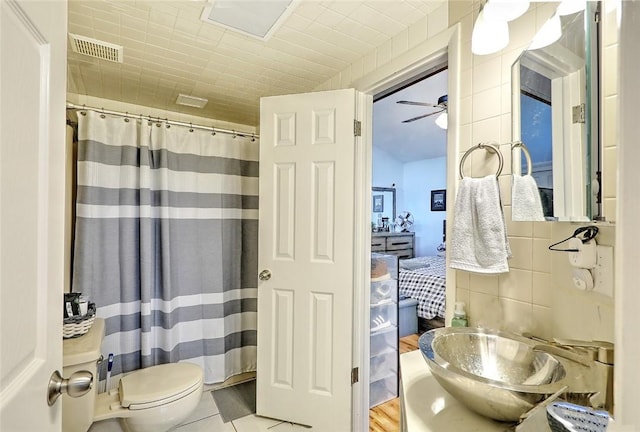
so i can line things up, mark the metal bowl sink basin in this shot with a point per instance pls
(496, 374)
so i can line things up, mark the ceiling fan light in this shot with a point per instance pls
(443, 120)
(489, 37)
(548, 33)
(505, 10)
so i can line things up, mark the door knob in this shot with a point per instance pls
(264, 275)
(78, 384)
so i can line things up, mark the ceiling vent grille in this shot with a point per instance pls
(96, 48)
(256, 18)
(191, 101)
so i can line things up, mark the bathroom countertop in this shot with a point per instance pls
(427, 407)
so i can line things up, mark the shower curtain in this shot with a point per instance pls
(166, 243)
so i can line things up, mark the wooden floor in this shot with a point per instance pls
(386, 417)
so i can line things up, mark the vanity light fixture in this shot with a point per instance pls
(548, 33)
(568, 7)
(491, 29)
(505, 10)
(489, 37)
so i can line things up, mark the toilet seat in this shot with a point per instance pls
(159, 385)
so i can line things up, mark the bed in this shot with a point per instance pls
(423, 279)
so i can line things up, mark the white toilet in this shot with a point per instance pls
(153, 399)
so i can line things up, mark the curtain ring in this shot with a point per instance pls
(102, 113)
(253, 137)
(234, 134)
(84, 107)
(126, 117)
(213, 131)
(190, 127)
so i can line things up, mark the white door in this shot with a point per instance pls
(305, 306)
(32, 144)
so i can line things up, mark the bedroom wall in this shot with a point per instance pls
(386, 172)
(414, 182)
(420, 178)
(528, 297)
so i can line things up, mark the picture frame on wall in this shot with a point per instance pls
(378, 203)
(439, 200)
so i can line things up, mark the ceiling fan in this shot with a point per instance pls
(441, 106)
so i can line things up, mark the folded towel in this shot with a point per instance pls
(525, 199)
(479, 235)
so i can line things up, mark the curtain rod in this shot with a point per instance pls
(253, 136)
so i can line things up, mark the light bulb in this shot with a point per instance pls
(505, 10)
(568, 7)
(548, 33)
(442, 120)
(489, 37)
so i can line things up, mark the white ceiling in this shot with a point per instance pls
(168, 50)
(420, 139)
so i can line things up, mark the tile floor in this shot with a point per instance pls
(206, 417)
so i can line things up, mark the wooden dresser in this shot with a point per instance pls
(400, 244)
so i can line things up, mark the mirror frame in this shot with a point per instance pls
(591, 189)
(393, 191)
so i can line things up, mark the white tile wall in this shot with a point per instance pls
(610, 111)
(536, 296)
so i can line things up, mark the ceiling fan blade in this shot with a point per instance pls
(417, 103)
(421, 116)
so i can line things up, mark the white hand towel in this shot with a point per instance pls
(479, 235)
(525, 199)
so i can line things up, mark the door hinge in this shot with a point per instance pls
(354, 375)
(357, 128)
(578, 112)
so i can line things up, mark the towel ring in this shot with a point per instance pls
(485, 146)
(525, 150)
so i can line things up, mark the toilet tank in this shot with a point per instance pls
(81, 353)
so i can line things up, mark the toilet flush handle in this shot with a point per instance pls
(78, 384)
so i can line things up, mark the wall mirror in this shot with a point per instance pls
(555, 108)
(383, 208)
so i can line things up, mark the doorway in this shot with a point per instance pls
(409, 165)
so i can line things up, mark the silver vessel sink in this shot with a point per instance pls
(497, 374)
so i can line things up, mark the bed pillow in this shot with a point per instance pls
(413, 265)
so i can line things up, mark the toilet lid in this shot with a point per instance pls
(158, 385)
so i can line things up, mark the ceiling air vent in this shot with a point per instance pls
(96, 48)
(191, 101)
(257, 18)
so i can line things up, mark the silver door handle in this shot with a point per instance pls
(264, 275)
(78, 384)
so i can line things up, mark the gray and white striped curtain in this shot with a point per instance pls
(166, 243)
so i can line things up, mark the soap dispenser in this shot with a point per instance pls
(459, 316)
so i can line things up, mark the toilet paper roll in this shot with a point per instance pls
(582, 279)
